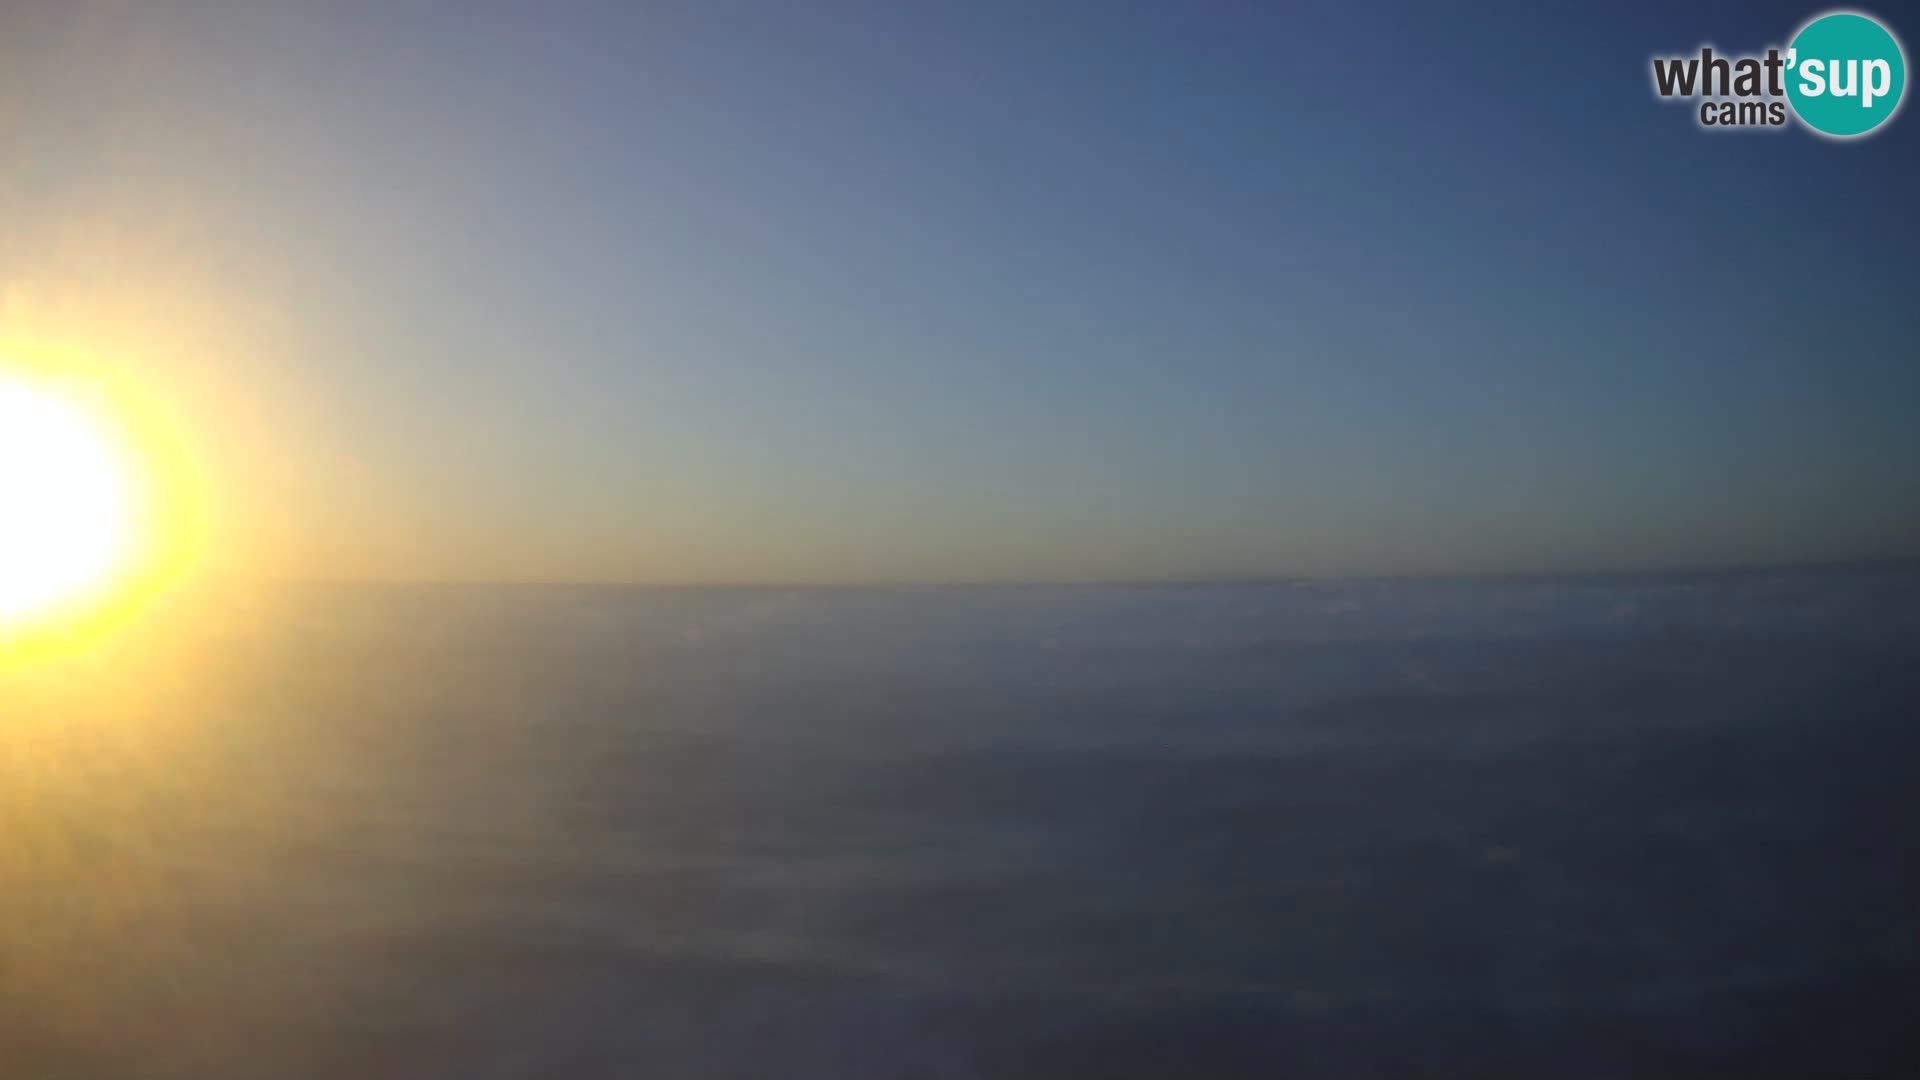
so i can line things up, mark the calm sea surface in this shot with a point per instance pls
(1534, 828)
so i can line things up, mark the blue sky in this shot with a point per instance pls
(840, 292)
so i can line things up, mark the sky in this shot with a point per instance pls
(892, 292)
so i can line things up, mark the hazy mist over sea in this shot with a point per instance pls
(1558, 828)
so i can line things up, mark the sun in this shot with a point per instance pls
(66, 508)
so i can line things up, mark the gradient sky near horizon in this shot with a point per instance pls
(717, 291)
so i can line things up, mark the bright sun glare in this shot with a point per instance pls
(65, 514)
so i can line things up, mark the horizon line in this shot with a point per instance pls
(1670, 572)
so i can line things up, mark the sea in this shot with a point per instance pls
(1618, 826)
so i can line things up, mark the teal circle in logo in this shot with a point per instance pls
(1846, 76)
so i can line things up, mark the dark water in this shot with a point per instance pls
(1557, 829)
